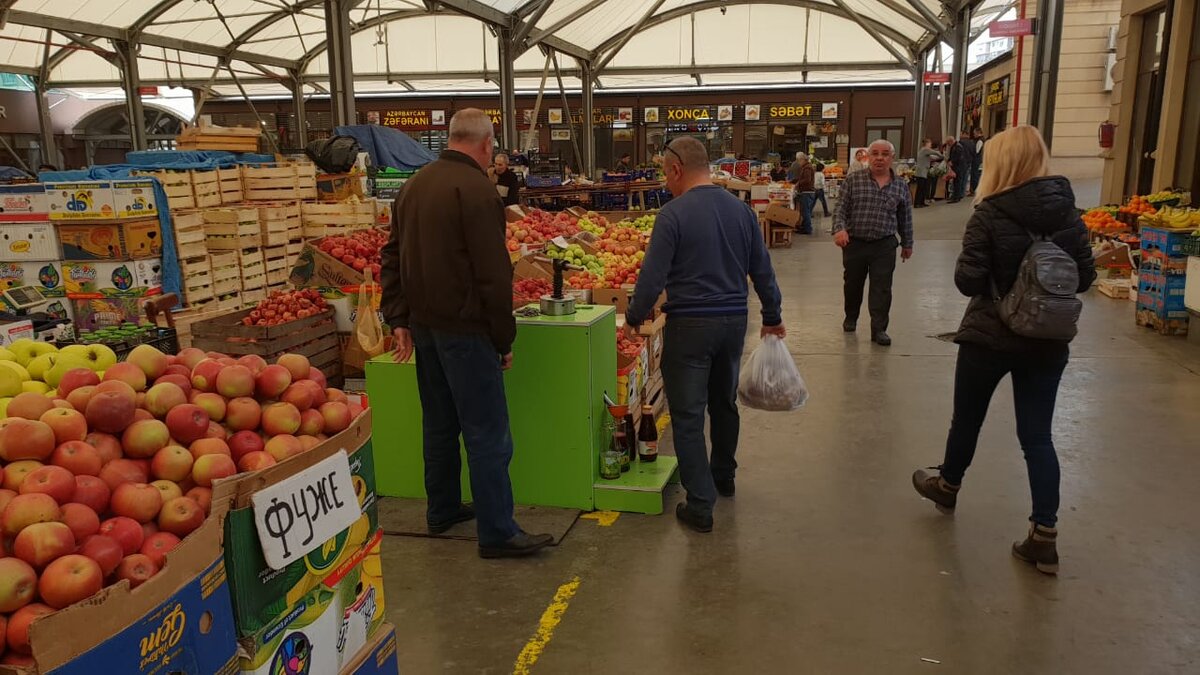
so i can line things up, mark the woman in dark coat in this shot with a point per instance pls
(1016, 201)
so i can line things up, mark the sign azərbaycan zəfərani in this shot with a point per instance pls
(303, 511)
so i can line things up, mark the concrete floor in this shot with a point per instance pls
(828, 562)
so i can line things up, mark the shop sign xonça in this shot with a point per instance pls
(299, 513)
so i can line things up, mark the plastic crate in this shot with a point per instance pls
(1190, 246)
(541, 181)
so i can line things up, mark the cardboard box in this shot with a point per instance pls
(379, 657)
(327, 628)
(179, 621)
(24, 202)
(616, 297)
(316, 268)
(1167, 241)
(260, 594)
(103, 279)
(135, 198)
(28, 241)
(783, 215)
(104, 312)
(11, 331)
(128, 240)
(46, 276)
(81, 201)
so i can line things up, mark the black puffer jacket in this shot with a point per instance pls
(994, 244)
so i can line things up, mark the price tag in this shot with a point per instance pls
(302, 512)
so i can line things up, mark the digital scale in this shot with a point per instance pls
(20, 300)
(23, 298)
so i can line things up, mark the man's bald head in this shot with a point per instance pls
(689, 153)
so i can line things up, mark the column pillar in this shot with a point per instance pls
(298, 109)
(589, 126)
(918, 118)
(341, 64)
(45, 126)
(1043, 91)
(132, 81)
(958, 80)
(508, 90)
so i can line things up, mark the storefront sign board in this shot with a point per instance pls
(753, 112)
(997, 92)
(1011, 28)
(937, 78)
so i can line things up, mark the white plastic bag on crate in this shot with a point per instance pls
(770, 379)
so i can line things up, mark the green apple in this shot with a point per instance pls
(16, 368)
(10, 383)
(63, 363)
(4, 406)
(27, 350)
(35, 387)
(6, 355)
(98, 357)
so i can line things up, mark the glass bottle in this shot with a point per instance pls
(610, 461)
(648, 436)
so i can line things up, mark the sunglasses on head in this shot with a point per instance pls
(675, 152)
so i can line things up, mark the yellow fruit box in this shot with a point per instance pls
(262, 594)
(328, 627)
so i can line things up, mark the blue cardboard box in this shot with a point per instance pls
(1167, 241)
(1162, 293)
(379, 657)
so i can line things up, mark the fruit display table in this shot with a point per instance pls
(562, 367)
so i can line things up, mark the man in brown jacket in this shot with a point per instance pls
(447, 293)
(803, 175)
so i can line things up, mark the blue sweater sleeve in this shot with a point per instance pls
(763, 276)
(655, 268)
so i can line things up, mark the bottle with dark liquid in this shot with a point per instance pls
(648, 436)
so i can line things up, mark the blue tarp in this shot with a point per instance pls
(388, 147)
(193, 159)
(13, 173)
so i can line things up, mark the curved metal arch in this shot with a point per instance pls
(685, 10)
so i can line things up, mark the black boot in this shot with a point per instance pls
(520, 545)
(696, 521)
(934, 488)
(1040, 548)
(464, 514)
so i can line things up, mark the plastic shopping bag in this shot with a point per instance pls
(770, 379)
(367, 340)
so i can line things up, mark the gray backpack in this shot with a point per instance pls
(1041, 303)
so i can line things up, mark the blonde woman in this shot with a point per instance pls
(1016, 202)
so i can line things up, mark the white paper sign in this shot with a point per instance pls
(302, 512)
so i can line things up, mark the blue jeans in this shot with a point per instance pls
(462, 393)
(820, 197)
(1035, 379)
(806, 201)
(702, 357)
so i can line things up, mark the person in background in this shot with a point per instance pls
(806, 194)
(624, 165)
(447, 293)
(962, 156)
(505, 179)
(859, 163)
(518, 158)
(873, 208)
(819, 187)
(704, 246)
(926, 156)
(947, 152)
(977, 165)
(779, 173)
(1017, 200)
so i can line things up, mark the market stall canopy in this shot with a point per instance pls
(451, 45)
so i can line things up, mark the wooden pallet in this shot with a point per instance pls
(279, 182)
(325, 220)
(1115, 288)
(206, 188)
(230, 181)
(177, 185)
(189, 234)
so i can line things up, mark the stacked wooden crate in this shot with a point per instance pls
(279, 182)
(191, 249)
(232, 139)
(236, 235)
(227, 279)
(177, 185)
(230, 181)
(282, 240)
(206, 188)
(336, 219)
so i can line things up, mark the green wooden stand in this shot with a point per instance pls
(561, 368)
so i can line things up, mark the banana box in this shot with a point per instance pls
(111, 241)
(85, 200)
(379, 658)
(328, 627)
(122, 279)
(135, 198)
(46, 276)
(260, 593)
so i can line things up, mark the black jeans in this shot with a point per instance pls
(462, 393)
(1035, 380)
(824, 203)
(922, 190)
(876, 260)
(702, 357)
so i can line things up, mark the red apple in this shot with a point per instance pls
(244, 442)
(126, 531)
(40, 543)
(54, 481)
(26, 439)
(215, 430)
(121, 471)
(173, 463)
(169, 489)
(110, 411)
(70, 579)
(200, 495)
(280, 418)
(29, 406)
(107, 445)
(204, 375)
(336, 395)
(92, 492)
(337, 417)
(82, 520)
(16, 473)
(182, 515)
(144, 438)
(139, 501)
(355, 410)
(18, 626)
(254, 362)
(210, 446)
(253, 461)
(158, 545)
(18, 583)
(309, 442)
(187, 423)
(189, 357)
(317, 376)
(272, 381)
(67, 423)
(283, 446)
(119, 387)
(162, 397)
(104, 550)
(141, 414)
(78, 457)
(5, 497)
(312, 422)
(210, 468)
(152, 362)
(243, 414)
(25, 510)
(136, 569)
(298, 395)
(213, 404)
(128, 373)
(296, 364)
(178, 369)
(183, 381)
(79, 397)
(76, 378)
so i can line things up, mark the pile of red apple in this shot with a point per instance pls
(104, 476)
(284, 306)
(359, 249)
(526, 291)
(540, 226)
(627, 346)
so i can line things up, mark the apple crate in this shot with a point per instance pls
(177, 185)
(324, 220)
(253, 296)
(230, 181)
(276, 265)
(197, 278)
(190, 240)
(294, 248)
(276, 182)
(206, 188)
(314, 336)
(226, 273)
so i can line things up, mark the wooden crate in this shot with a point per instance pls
(197, 279)
(253, 296)
(312, 337)
(204, 309)
(253, 268)
(277, 265)
(189, 234)
(226, 273)
(279, 182)
(232, 229)
(206, 189)
(275, 232)
(177, 185)
(294, 248)
(230, 181)
(232, 139)
(324, 220)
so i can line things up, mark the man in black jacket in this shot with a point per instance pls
(962, 156)
(447, 293)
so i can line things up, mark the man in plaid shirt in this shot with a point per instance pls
(874, 207)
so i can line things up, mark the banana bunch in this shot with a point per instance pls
(1177, 218)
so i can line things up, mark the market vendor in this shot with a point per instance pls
(505, 179)
(624, 165)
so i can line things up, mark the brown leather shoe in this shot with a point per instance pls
(931, 486)
(1040, 548)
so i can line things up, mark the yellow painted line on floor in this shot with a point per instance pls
(603, 518)
(546, 626)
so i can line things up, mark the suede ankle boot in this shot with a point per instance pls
(1039, 548)
(934, 488)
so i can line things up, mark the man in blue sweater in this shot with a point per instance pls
(705, 244)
